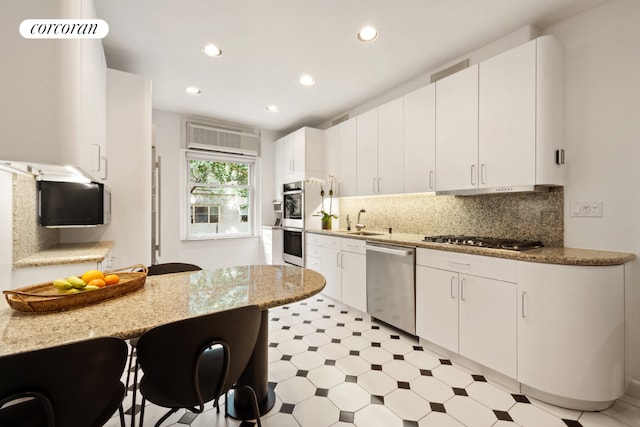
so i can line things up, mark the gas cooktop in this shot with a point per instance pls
(486, 242)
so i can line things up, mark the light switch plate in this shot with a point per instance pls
(591, 208)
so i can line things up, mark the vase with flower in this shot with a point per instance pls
(326, 216)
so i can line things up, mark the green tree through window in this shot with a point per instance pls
(222, 185)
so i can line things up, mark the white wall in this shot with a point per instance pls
(6, 229)
(208, 254)
(267, 190)
(602, 130)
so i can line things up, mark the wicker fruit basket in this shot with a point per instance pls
(44, 298)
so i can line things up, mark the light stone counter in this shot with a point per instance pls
(163, 299)
(547, 255)
(67, 253)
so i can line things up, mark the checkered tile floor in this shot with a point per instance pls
(333, 366)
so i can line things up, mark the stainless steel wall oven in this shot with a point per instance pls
(293, 205)
(293, 222)
(293, 247)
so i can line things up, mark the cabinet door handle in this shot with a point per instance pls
(483, 173)
(473, 169)
(97, 157)
(104, 169)
(453, 295)
(460, 264)
(522, 305)
(373, 186)
(431, 179)
(462, 290)
(379, 191)
(338, 256)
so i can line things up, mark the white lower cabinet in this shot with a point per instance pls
(272, 245)
(487, 325)
(342, 261)
(353, 263)
(571, 333)
(331, 270)
(557, 329)
(467, 304)
(437, 306)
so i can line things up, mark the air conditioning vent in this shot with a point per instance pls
(204, 136)
(450, 70)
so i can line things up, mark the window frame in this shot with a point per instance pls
(252, 211)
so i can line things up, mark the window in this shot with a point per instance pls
(201, 214)
(220, 193)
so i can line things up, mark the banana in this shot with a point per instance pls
(62, 284)
(76, 282)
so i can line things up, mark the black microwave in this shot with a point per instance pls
(73, 204)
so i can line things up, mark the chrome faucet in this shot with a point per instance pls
(359, 225)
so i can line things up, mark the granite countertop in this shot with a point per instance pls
(67, 253)
(163, 299)
(547, 255)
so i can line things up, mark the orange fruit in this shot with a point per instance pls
(89, 275)
(111, 279)
(97, 282)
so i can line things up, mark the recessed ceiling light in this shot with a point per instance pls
(193, 90)
(211, 50)
(367, 34)
(307, 80)
(272, 108)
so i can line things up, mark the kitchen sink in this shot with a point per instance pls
(364, 233)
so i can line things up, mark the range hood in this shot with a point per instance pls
(495, 190)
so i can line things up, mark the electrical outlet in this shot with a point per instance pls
(592, 209)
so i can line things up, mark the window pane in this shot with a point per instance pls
(201, 214)
(226, 212)
(213, 172)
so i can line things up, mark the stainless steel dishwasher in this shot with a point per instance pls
(391, 289)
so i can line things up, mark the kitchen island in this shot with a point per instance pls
(169, 298)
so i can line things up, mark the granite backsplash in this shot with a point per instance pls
(28, 236)
(526, 216)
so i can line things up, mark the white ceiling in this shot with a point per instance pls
(268, 44)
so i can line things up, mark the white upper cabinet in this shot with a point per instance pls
(302, 154)
(68, 105)
(340, 156)
(348, 155)
(332, 152)
(288, 161)
(507, 118)
(390, 148)
(92, 141)
(367, 153)
(457, 131)
(419, 131)
(499, 124)
(278, 168)
(379, 150)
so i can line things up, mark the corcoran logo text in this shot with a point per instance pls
(64, 29)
